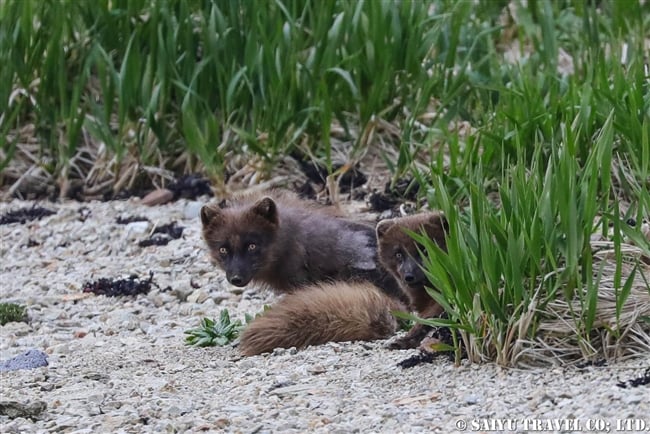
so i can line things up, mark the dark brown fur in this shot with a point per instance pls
(329, 312)
(398, 253)
(286, 244)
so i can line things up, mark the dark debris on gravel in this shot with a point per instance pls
(24, 215)
(317, 173)
(392, 196)
(125, 220)
(132, 285)
(417, 359)
(162, 235)
(190, 187)
(444, 336)
(642, 380)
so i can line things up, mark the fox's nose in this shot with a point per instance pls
(409, 278)
(236, 280)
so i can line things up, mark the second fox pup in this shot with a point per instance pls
(398, 253)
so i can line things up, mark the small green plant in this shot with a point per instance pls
(216, 333)
(212, 332)
(12, 312)
(404, 320)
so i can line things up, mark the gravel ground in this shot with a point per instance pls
(120, 364)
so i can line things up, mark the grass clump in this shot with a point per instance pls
(12, 312)
(523, 282)
(188, 86)
(541, 264)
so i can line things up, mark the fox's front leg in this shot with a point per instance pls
(419, 331)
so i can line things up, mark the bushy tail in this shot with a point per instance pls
(323, 313)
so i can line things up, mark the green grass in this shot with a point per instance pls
(544, 108)
(205, 79)
(567, 157)
(12, 312)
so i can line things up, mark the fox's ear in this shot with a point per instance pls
(223, 204)
(383, 226)
(266, 208)
(439, 220)
(210, 213)
(436, 227)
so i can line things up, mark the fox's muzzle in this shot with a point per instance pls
(411, 271)
(237, 280)
(239, 271)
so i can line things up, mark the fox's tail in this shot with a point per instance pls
(323, 313)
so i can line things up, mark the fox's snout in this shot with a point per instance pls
(411, 272)
(238, 280)
(409, 278)
(240, 269)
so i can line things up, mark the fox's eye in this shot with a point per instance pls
(252, 246)
(398, 256)
(223, 251)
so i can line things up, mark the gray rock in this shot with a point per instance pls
(29, 360)
(15, 409)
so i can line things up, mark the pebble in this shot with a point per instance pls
(120, 364)
(192, 209)
(197, 296)
(137, 228)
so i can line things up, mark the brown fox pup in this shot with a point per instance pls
(398, 252)
(286, 244)
(328, 312)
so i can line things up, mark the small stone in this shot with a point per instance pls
(15, 409)
(47, 387)
(182, 291)
(156, 299)
(158, 197)
(192, 210)
(137, 228)
(631, 399)
(198, 296)
(317, 369)
(221, 423)
(62, 348)
(174, 411)
(208, 303)
(123, 319)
